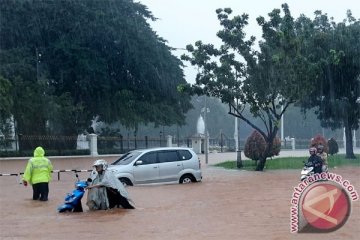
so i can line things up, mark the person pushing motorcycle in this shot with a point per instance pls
(106, 191)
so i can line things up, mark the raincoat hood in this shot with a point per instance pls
(38, 168)
(39, 152)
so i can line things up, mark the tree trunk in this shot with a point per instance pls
(349, 144)
(261, 164)
(239, 163)
(269, 145)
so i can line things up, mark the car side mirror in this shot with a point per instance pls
(139, 162)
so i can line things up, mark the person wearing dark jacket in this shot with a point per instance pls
(315, 160)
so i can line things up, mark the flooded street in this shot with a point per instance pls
(228, 204)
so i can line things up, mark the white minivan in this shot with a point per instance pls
(157, 165)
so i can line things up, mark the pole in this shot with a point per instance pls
(236, 135)
(177, 135)
(206, 134)
(282, 126)
(354, 139)
(221, 141)
(237, 142)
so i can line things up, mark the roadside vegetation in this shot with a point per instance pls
(292, 163)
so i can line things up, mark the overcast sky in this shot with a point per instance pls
(183, 22)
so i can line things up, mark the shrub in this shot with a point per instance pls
(276, 147)
(333, 146)
(319, 139)
(30, 153)
(255, 146)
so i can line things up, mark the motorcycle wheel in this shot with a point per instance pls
(78, 207)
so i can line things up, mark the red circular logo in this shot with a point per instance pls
(326, 206)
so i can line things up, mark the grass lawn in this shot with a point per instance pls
(292, 162)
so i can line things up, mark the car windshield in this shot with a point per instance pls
(126, 158)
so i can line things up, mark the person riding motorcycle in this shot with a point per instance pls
(315, 160)
(323, 156)
(105, 190)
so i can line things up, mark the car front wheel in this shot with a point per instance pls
(125, 182)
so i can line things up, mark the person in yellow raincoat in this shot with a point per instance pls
(38, 174)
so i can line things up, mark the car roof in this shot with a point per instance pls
(160, 149)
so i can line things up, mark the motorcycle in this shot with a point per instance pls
(73, 200)
(307, 170)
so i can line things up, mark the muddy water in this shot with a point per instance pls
(226, 205)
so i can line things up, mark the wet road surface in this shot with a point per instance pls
(228, 204)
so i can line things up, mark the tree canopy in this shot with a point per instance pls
(335, 49)
(65, 62)
(268, 80)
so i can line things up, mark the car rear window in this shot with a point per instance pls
(127, 158)
(185, 154)
(168, 156)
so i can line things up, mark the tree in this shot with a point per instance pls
(70, 61)
(277, 75)
(6, 101)
(335, 49)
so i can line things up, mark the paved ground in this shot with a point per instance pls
(228, 204)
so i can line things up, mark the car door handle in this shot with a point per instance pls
(155, 167)
(179, 165)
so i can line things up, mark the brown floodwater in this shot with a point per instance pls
(227, 204)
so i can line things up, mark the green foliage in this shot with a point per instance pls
(30, 153)
(246, 165)
(341, 160)
(70, 61)
(334, 48)
(270, 79)
(293, 163)
(333, 146)
(6, 101)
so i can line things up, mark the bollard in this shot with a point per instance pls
(169, 141)
(93, 144)
(292, 143)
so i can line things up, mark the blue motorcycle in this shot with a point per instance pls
(73, 199)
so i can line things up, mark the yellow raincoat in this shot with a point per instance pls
(38, 168)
